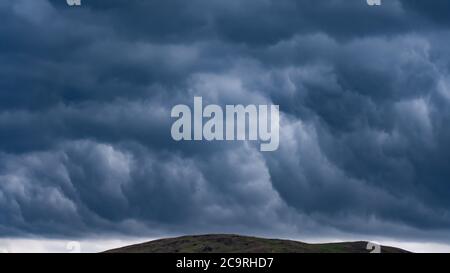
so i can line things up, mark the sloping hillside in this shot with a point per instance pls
(242, 244)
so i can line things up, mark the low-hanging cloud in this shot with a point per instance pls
(86, 93)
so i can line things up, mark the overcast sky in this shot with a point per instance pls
(364, 96)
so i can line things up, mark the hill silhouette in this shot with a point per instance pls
(222, 243)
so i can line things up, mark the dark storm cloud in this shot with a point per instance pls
(86, 93)
(438, 12)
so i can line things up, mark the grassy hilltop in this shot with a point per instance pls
(243, 244)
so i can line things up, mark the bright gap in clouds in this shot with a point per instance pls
(36, 245)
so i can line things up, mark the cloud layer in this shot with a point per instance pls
(86, 93)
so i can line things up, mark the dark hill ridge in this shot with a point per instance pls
(243, 244)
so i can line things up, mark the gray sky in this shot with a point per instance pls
(364, 95)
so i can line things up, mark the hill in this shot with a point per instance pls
(243, 244)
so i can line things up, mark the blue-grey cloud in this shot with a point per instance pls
(86, 93)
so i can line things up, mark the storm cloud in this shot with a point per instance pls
(86, 94)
